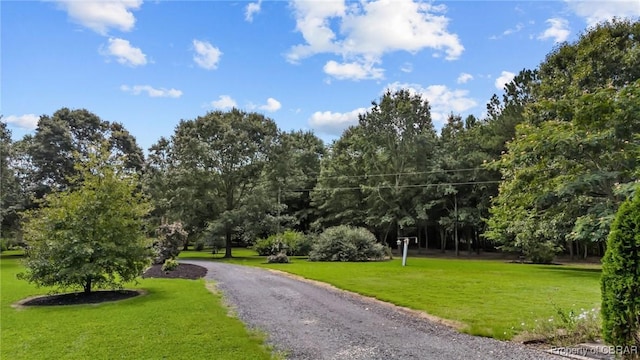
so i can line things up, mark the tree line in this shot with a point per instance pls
(543, 172)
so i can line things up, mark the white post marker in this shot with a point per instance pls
(405, 250)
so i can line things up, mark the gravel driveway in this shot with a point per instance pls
(306, 321)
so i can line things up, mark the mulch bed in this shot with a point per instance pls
(183, 271)
(94, 297)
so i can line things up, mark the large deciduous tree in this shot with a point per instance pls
(67, 137)
(400, 146)
(90, 234)
(338, 196)
(293, 171)
(10, 192)
(219, 158)
(564, 166)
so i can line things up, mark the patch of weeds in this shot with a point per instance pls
(567, 327)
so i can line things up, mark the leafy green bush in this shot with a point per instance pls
(279, 258)
(346, 243)
(199, 245)
(541, 252)
(621, 276)
(170, 265)
(294, 243)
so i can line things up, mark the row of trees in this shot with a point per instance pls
(544, 172)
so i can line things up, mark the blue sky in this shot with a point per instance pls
(310, 65)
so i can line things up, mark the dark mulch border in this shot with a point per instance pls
(183, 271)
(80, 298)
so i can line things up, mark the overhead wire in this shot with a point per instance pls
(439, 171)
(362, 186)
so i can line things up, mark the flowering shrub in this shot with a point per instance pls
(170, 238)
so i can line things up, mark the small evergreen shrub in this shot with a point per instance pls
(279, 258)
(346, 243)
(620, 279)
(170, 265)
(170, 237)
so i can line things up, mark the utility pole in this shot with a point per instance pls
(278, 212)
(455, 223)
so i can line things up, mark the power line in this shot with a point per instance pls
(397, 187)
(440, 171)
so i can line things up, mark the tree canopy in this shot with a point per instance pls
(565, 164)
(91, 234)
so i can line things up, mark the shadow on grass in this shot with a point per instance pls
(572, 271)
(11, 256)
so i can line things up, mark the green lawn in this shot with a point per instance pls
(177, 319)
(491, 298)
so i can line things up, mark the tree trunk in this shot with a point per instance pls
(419, 239)
(443, 239)
(227, 240)
(386, 233)
(476, 237)
(570, 249)
(426, 237)
(228, 227)
(87, 285)
(469, 240)
(586, 248)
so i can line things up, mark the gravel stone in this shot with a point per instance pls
(307, 321)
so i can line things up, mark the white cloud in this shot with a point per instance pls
(100, 16)
(353, 70)
(368, 30)
(26, 121)
(252, 9)
(124, 53)
(271, 105)
(151, 91)
(442, 100)
(406, 67)
(464, 78)
(510, 31)
(206, 56)
(504, 78)
(597, 11)
(334, 123)
(224, 102)
(558, 30)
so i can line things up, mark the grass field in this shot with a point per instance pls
(177, 319)
(491, 298)
(180, 319)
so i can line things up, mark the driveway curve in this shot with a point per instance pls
(307, 321)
